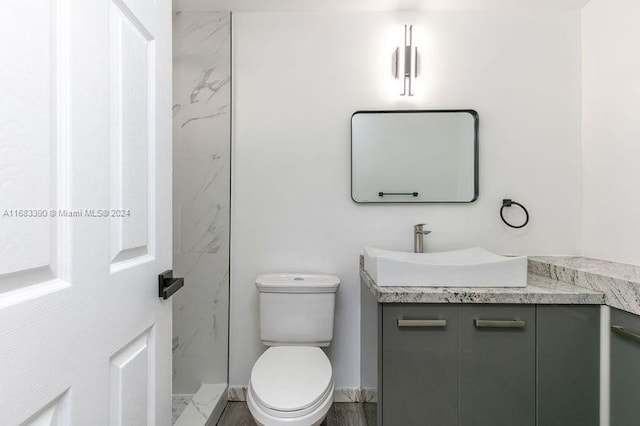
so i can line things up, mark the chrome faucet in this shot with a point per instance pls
(418, 237)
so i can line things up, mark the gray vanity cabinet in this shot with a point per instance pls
(497, 365)
(625, 368)
(420, 365)
(467, 365)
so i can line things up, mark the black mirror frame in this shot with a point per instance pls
(476, 172)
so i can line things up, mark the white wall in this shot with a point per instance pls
(298, 77)
(611, 129)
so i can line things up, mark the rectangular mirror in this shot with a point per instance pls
(414, 156)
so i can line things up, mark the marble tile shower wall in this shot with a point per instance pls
(201, 194)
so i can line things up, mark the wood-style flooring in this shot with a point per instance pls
(340, 414)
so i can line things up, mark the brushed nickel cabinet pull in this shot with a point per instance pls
(621, 331)
(498, 323)
(421, 322)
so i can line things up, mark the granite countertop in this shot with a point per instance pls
(539, 290)
(619, 282)
(551, 280)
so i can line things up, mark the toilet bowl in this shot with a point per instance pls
(290, 385)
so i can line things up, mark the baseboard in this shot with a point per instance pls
(355, 395)
(239, 393)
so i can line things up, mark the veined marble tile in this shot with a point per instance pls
(202, 34)
(201, 326)
(191, 370)
(179, 403)
(205, 229)
(201, 100)
(201, 194)
(201, 201)
(201, 177)
(200, 330)
(190, 135)
(206, 278)
(206, 406)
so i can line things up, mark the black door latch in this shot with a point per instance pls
(167, 284)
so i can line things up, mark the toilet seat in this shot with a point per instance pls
(289, 383)
(327, 396)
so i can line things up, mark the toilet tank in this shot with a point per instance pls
(297, 309)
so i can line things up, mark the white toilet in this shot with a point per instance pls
(291, 383)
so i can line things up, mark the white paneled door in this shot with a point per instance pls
(85, 212)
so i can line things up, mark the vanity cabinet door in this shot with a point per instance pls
(568, 362)
(625, 368)
(420, 365)
(497, 365)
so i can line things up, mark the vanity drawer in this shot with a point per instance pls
(497, 365)
(420, 374)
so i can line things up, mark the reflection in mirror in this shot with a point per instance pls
(414, 156)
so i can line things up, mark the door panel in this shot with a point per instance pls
(625, 370)
(53, 414)
(132, 144)
(420, 366)
(85, 129)
(131, 383)
(568, 365)
(32, 124)
(497, 367)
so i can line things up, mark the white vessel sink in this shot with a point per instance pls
(472, 267)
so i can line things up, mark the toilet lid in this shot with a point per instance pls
(291, 378)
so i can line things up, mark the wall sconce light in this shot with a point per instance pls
(410, 62)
